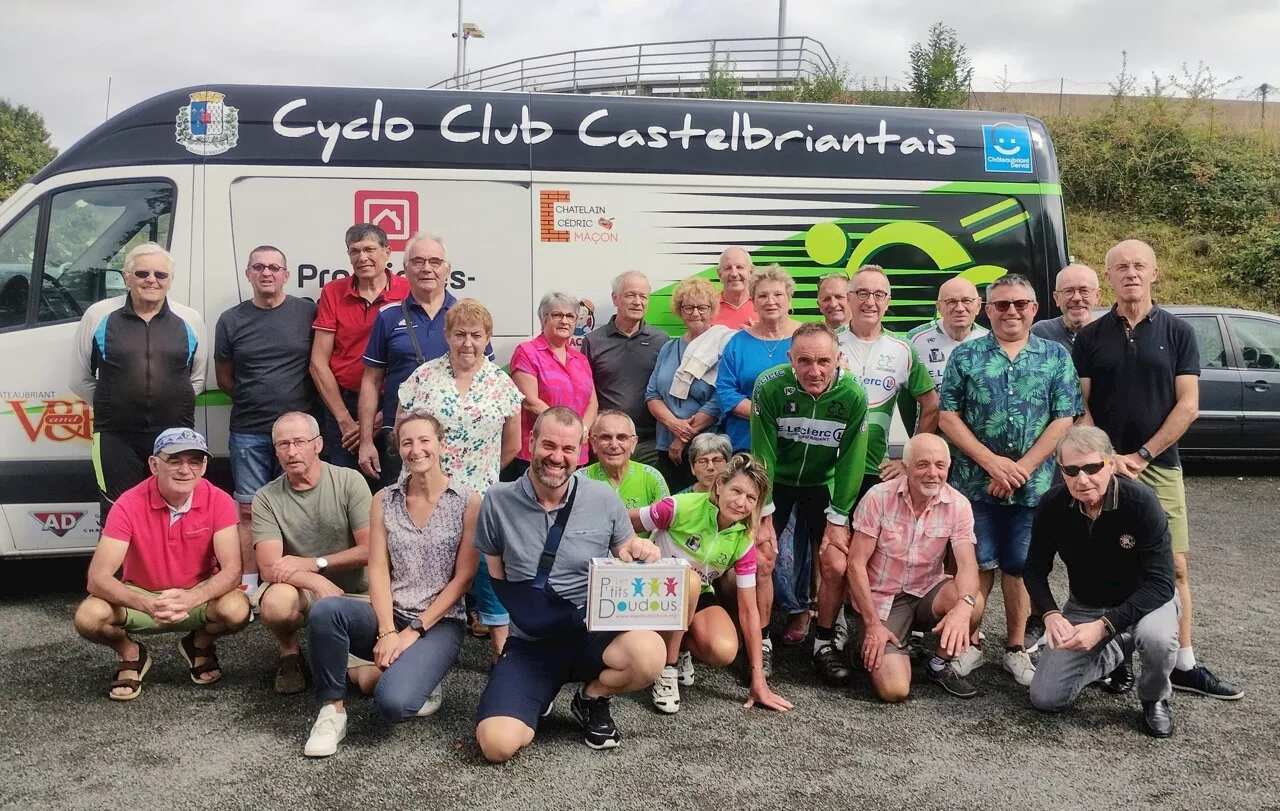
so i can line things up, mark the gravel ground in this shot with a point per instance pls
(238, 745)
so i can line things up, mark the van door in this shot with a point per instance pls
(60, 254)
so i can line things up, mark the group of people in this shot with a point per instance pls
(395, 489)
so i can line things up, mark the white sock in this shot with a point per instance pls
(1186, 659)
(250, 581)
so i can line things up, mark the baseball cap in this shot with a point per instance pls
(176, 440)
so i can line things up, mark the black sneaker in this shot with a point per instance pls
(598, 729)
(1035, 634)
(1200, 679)
(830, 666)
(951, 681)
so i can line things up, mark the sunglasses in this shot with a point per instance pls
(1017, 304)
(1075, 470)
(160, 275)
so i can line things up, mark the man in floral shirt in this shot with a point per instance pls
(1007, 399)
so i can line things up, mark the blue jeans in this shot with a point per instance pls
(492, 611)
(333, 450)
(792, 574)
(341, 625)
(1003, 532)
(253, 464)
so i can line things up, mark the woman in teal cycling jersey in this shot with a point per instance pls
(714, 532)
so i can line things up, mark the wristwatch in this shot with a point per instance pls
(970, 599)
(1144, 454)
(322, 564)
(416, 624)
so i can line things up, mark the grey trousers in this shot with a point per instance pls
(1062, 674)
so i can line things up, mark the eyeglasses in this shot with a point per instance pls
(690, 309)
(258, 267)
(160, 275)
(562, 316)
(419, 262)
(286, 444)
(608, 438)
(179, 462)
(863, 294)
(952, 303)
(1123, 266)
(710, 461)
(1090, 469)
(1017, 304)
(1082, 292)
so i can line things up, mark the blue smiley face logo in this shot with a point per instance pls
(1007, 148)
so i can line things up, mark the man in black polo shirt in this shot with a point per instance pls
(1139, 371)
(1113, 537)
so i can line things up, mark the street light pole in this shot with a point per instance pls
(782, 30)
(458, 71)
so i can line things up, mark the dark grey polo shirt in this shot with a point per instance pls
(621, 366)
(1052, 329)
(513, 525)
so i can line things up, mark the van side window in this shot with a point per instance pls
(91, 229)
(17, 258)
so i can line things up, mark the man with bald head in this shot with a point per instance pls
(958, 303)
(1139, 368)
(736, 310)
(1076, 292)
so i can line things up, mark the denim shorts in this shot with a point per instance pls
(1004, 534)
(530, 673)
(253, 464)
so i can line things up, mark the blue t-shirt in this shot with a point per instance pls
(702, 395)
(744, 359)
(391, 348)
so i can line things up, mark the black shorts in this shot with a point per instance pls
(530, 673)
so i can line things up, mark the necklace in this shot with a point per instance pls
(769, 350)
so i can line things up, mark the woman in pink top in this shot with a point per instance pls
(549, 373)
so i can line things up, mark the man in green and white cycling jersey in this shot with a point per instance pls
(959, 303)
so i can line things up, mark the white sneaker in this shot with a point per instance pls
(432, 705)
(967, 662)
(840, 637)
(327, 732)
(684, 667)
(1018, 663)
(666, 691)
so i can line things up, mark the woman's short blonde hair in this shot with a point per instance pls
(695, 288)
(744, 464)
(468, 311)
(772, 273)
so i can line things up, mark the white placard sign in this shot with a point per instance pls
(638, 596)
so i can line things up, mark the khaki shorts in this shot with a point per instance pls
(908, 613)
(1167, 482)
(140, 622)
(307, 598)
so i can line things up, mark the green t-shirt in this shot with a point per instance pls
(885, 366)
(317, 522)
(643, 485)
(688, 526)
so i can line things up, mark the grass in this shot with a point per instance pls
(1190, 264)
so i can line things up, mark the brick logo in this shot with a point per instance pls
(561, 220)
(395, 212)
(547, 200)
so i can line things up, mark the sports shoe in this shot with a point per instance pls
(598, 729)
(666, 691)
(1200, 679)
(1018, 663)
(1034, 636)
(326, 733)
(841, 636)
(684, 669)
(766, 657)
(830, 666)
(948, 679)
(432, 705)
(967, 662)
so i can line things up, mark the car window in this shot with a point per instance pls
(17, 258)
(1213, 349)
(1259, 341)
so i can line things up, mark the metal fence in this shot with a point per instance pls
(760, 65)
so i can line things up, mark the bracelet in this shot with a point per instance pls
(386, 633)
(1106, 623)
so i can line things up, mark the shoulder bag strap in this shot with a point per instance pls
(413, 335)
(553, 540)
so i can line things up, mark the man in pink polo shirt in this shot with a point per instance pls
(896, 569)
(174, 540)
(736, 310)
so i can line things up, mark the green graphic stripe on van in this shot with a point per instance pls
(1001, 227)
(992, 187)
(988, 212)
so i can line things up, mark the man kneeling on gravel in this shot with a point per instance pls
(173, 538)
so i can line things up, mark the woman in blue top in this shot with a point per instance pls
(754, 350)
(683, 409)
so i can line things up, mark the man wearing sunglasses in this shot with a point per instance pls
(1007, 399)
(1139, 370)
(958, 302)
(139, 359)
(1113, 538)
(261, 356)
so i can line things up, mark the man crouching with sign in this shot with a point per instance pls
(538, 535)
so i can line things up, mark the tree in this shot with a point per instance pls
(940, 70)
(24, 146)
(721, 81)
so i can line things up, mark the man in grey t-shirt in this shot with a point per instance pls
(262, 354)
(311, 538)
(511, 533)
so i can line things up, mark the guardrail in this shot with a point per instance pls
(759, 64)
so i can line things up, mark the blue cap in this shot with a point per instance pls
(176, 440)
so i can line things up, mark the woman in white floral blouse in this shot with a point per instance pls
(479, 408)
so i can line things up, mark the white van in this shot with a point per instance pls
(531, 193)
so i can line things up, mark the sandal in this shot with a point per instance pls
(140, 665)
(291, 677)
(189, 652)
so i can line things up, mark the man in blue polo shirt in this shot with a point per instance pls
(404, 336)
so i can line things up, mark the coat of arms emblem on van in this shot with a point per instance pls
(207, 126)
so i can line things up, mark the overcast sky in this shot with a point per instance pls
(58, 54)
